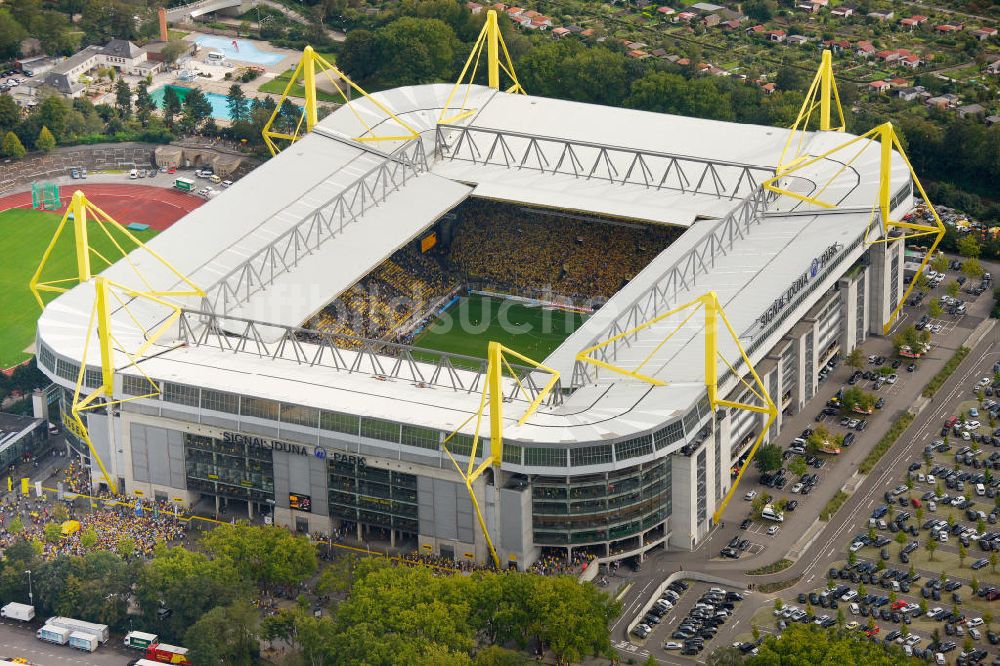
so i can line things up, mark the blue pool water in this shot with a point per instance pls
(220, 109)
(247, 51)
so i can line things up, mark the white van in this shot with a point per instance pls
(980, 489)
(216, 56)
(133, 174)
(770, 513)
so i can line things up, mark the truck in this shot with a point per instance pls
(16, 611)
(98, 630)
(168, 654)
(140, 639)
(53, 634)
(184, 184)
(81, 640)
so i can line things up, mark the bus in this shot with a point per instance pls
(184, 184)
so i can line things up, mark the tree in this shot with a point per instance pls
(968, 246)
(768, 458)
(171, 105)
(13, 148)
(45, 141)
(797, 466)
(412, 51)
(10, 113)
(858, 400)
(359, 56)
(974, 585)
(123, 98)
(855, 359)
(263, 555)
(952, 288)
(173, 50)
(53, 532)
(987, 619)
(144, 103)
(239, 107)
(852, 558)
(973, 268)
(940, 263)
(196, 108)
(790, 78)
(88, 538)
(934, 310)
(805, 644)
(930, 546)
(225, 635)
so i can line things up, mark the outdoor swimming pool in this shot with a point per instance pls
(244, 51)
(220, 109)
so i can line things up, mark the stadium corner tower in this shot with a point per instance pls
(237, 406)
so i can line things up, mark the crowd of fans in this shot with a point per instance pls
(524, 252)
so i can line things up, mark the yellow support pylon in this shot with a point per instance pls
(713, 314)
(107, 291)
(824, 86)
(492, 397)
(306, 70)
(88, 220)
(885, 135)
(497, 60)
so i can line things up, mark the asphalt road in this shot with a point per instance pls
(829, 546)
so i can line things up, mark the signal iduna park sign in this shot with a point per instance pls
(291, 448)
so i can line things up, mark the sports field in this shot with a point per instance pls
(468, 326)
(24, 235)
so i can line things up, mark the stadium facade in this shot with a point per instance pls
(318, 432)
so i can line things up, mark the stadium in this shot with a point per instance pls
(314, 345)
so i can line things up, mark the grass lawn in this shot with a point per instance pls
(177, 34)
(468, 326)
(276, 86)
(24, 235)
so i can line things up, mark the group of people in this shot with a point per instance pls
(527, 252)
(553, 564)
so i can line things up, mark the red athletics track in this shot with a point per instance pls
(158, 207)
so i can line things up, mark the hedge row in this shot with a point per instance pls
(944, 373)
(774, 567)
(884, 444)
(833, 505)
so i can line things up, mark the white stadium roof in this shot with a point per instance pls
(638, 157)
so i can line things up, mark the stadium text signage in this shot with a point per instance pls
(800, 283)
(289, 447)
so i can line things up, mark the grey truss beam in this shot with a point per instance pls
(328, 220)
(593, 161)
(387, 361)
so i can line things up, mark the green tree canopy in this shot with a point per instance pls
(768, 458)
(800, 645)
(264, 554)
(13, 148)
(45, 141)
(236, 101)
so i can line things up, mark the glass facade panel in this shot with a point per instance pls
(425, 438)
(372, 496)
(379, 429)
(631, 448)
(597, 508)
(67, 370)
(259, 408)
(219, 401)
(228, 469)
(47, 358)
(299, 415)
(337, 422)
(178, 393)
(673, 432)
(512, 453)
(543, 457)
(590, 455)
(132, 385)
(702, 483)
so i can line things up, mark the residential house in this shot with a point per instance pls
(575, 29)
(992, 120)
(913, 21)
(755, 30)
(638, 54)
(899, 83)
(685, 17)
(797, 40)
(588, 33)
(711, 20)
(36, 66)
(948, 100)
(887, 56)
(768, 88)
(666, 11)
(843, 11)
(982, 34)
(865, 49)
(122, 55)
(882, 16)
(911, 93)
(684, 62)
(880, 86)
(659, 53)
(559, 33)
(706, 7)
(971, 110)
(514, 13)
(837, 45)
(912, 61)
(474, 7)
(540, 23)
(730, 25)
(993, 67)
(945, 28)
(776, 35)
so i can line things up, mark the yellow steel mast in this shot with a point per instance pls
(713, 313)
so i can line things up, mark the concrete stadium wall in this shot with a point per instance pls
(16, 174)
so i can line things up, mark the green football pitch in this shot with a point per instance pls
(24, 235)
(468, 326)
